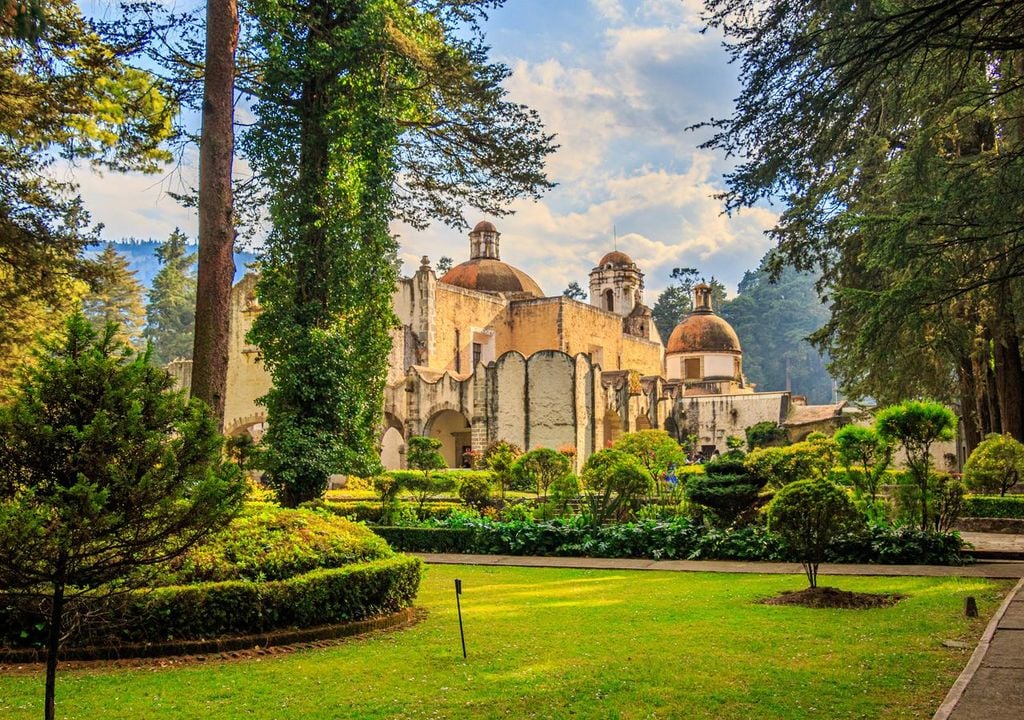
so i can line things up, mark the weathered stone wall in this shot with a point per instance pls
(713, 418)
(551, 400)
(507, 399)
(248, 379)
(532, 326)
(462, 318)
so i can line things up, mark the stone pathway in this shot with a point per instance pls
(991, 687)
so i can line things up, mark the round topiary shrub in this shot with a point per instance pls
(267, 542)
(809, 515)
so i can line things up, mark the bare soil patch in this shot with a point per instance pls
(829, 597)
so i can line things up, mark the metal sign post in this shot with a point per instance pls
(458, 604)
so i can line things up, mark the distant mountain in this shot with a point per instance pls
(142, 258)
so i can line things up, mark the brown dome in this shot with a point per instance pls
(484, 226)
(490, 275)
(703, 332)
(616, 258)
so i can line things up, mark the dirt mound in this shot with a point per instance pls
(828, 597)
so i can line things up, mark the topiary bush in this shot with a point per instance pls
(475, 492)
(996, 465)
(809, 515)
(726, 488)
(371, 512)
(267, 542)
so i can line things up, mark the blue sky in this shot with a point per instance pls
(618, 81)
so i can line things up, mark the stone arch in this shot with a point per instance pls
(672, 428)
(392, 443)
(609, 300)
(455, 432)
(254, 425)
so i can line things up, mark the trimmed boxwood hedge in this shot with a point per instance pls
(207, 610)
(371, 511)
(993, 506)
(267, 542)
(668, 541)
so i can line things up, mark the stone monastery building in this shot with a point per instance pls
(483, 355)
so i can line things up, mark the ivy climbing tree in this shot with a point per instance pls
(352, 94)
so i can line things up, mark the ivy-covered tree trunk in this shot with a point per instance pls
(216, 226)
(327, 277)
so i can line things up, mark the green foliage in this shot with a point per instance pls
(917, 425)
(915, 225)
(500, 457)
(810, 515)
(564, 490)
(780, 466)
(271, 543)
(105, 472)
(475, 491)
(575, 292)
(996, 464)
(1008, 506)
(539, 468)
(677, 539)
(171, 303)
(395, 513)
(423, 455)
(726, 488)
(385, 89)
(66, 95)
(209, 610)
(774, 315)
(115, 296)
(655, 450)
(766, 433)
(612, 481)
(943, 502)
(862, 446)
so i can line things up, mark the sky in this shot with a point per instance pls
(618, 82)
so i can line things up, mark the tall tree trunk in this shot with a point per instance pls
(53, 649)
(216, 222)
(969, 405)
(1009, 373)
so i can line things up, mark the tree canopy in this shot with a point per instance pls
(366, 111)
(893, 133)
(67, 95)
(171, 302)
(115, 296)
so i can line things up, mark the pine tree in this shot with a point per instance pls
(103, 471)
(171, 306)
(115, 296)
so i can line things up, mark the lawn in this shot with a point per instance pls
(547, 643)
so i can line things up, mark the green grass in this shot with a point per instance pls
(546, 643)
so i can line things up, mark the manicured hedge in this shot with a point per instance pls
(993, 506)
(207, 610)
(669, 540)
(267, 542)
(429, 539)
(456, 475)
(370, 512)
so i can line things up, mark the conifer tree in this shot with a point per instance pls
(104, 471)
(115, 296)
(171, 306)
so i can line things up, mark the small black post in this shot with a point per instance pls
(458, 604)
(971, 607)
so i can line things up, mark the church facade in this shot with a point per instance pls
(482, 355)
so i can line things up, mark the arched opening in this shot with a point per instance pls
(609, 300)
(612, 428)
(453, 430)
(392, 449)
(671, 428)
